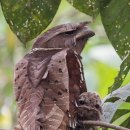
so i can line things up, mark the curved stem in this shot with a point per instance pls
(104, 124)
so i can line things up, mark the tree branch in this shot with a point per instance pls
(104, 124)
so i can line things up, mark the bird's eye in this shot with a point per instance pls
(97, 106)
(81, 102)
(69, 32)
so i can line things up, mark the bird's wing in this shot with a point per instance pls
(28, 74)
(64, 83)
(55, 102)
(77, 83)
(47, 83)
(38, 61)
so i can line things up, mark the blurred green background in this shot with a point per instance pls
(101, 63)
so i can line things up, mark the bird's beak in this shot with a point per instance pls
(85, 33)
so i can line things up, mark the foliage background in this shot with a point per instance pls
(101, 63)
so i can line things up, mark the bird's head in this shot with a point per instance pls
(69, 35)
(89, 106)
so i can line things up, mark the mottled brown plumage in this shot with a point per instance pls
(49, 79)
(89, 107)
(73, 36)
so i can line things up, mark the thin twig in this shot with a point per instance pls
(104, 124)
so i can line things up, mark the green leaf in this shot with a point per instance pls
(124, 69)
(115, 17)
(27, 18)
(111, 107)
(126, 123)
(119, 113)
(89, 7)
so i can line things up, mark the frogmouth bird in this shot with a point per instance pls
(89, 107)
(49, 79)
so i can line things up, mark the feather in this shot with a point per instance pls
(49, 80)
